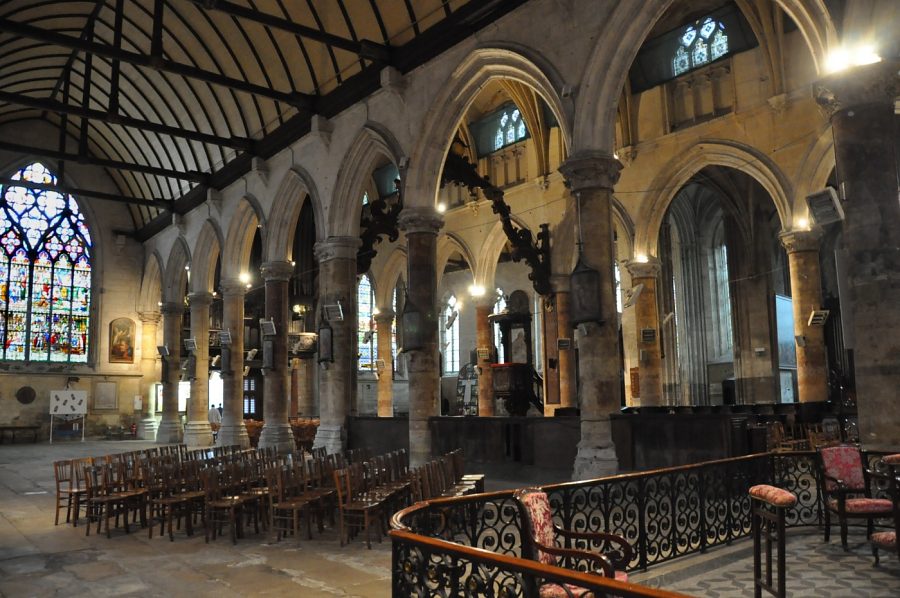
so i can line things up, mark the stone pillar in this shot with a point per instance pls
(551, 355)
(421, 225)
(295, 388)
(337, 382)
(384, 321)
(170, 429)
(567, 382)
(806, 294)
(306, 392)
(484, 306)
(591, 176)
(197, 431)
(149, 323)
(276, 430)
(646, 313)
(861, 104)
(232, 431)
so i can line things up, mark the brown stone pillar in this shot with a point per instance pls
(276, 430)
(485, 348)
(591, 176)
(306, 392)
(149, 372)
(197, 431)
(295, 388)
(551, 355)
(421, 226)
(384, 321)
(806, 294)
(337, 380)
(170, 429)
(646, 315)
(567, 382)
(232, 431)
(864, 123)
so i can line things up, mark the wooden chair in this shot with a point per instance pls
(780, 441)
(180, 497)
(223, 507)
(887, 540)
(354, 512)
(287, 504)
(105, 499)
(68, 487)
(609, 557)
(845, 489)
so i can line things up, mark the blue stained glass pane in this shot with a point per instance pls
(700, 54)
(689, 36)
(707, 28)
(365, 305)
(520, 134)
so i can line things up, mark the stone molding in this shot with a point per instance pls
(877, 83)
(801, 240)
(561, 283)
(149, 317)
(232, 287)
(591, 170)
(200, 299)
(648, 269)
(419, 219)
(337, 248)
(384, 317)
(171, 308)
(277, 271)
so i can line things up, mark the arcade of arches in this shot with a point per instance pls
(175, 238)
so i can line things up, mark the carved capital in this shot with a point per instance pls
(171, 308)
(561, 283)
(149, 317)
(200, 299)
(648, 269)
(801, 240)
(277, 271)
(233, 288)
(877, 83)
(336, 248)
(385, 317)
(420, 220)
(591, 170)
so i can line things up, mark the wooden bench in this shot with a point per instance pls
(12, 429)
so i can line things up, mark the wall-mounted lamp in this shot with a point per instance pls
(326, 342)
(414, 326)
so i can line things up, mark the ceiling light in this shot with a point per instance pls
(244, 277)
(441, 208)
(476, 290)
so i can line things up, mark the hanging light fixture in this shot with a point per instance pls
(584, 284)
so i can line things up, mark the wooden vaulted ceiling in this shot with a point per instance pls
(176, 97)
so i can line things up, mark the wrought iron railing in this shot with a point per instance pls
(664, 514)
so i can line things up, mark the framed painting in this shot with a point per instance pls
(121, 340)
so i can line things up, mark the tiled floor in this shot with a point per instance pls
(40, 559)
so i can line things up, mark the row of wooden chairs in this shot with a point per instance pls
(802, 437)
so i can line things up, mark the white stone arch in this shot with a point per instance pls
(246, 220)
(151, 284)
(374, 141)
(447, 244)
(814, 171)
(296, 187)
(465, 83)
(392, 271)
(206, 253)
(618, 44)
(669, 181)
(175, 278)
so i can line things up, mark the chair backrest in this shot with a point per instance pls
(62, 472)
(842, 463)
(537, 523)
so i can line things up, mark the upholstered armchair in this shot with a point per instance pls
(540, 542)
(845, 490)
(887, 540)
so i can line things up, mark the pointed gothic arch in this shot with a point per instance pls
(206, 254)
(245, 222)
(297, 187)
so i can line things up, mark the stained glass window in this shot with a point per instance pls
(510, 129)
(394, 328)
(499, 307)
(450, 335)
(45, 273)
(365, 311)
(701, 42)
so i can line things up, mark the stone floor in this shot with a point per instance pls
(40, 559)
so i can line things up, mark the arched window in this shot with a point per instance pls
(499, 306)
(365, 199)
(45, 273)
(365, 311)
(450, 335)
(700, 43)
(394, 328)
(510, 128)
(618, 275)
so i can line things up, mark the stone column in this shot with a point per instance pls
(306, 392)
(276, 430)
(337, 283)
(551, 355)
(421, 225)
(646, 312)
(591, 176)
(232, 431)
(149, 323)
(295, 388)
(861, 104)
(197, 431)
(567, 382)
(806, 294)
(384, 321)
(484, 306)
(170, 429)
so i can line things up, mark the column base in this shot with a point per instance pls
(146, 429)
(596, 452)
(280, 436)
(233, 435)
(331, 437)
(170, 431)
(198, 434)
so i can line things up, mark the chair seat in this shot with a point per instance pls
(773, 496)
(864, 505)
(555, 590)
(226, 502)
(886, 540)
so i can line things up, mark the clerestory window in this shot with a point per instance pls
(700, 43)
